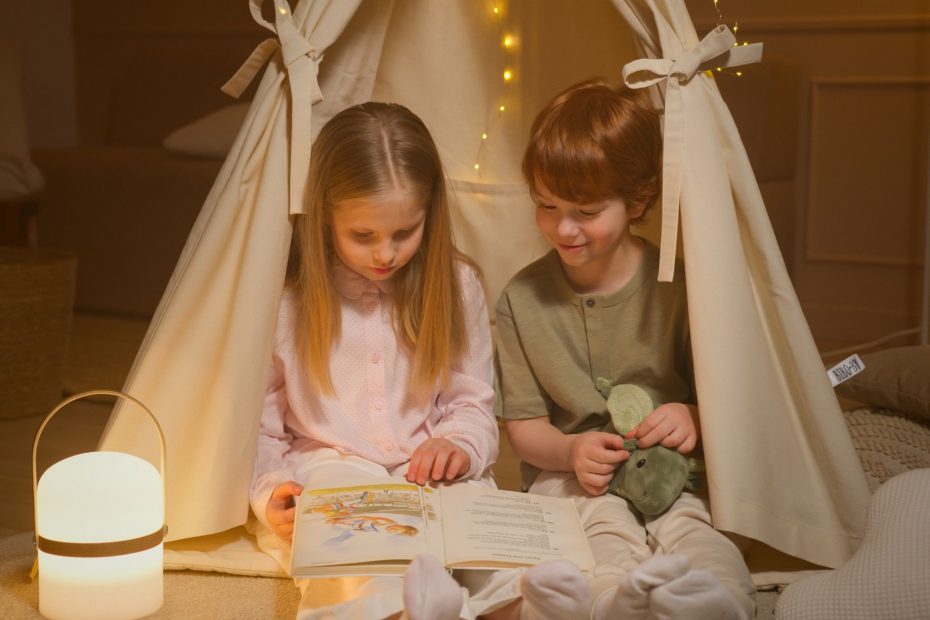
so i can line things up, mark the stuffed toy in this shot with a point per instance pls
(652, 478)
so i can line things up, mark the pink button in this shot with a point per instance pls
(379, 405)
(375, 358)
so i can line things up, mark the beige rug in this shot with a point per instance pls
(187, 594)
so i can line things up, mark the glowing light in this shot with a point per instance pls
(497, 10)
(283, 11)
(735, 27)
(508, 75)
(739, 74)
(100, 497)
(484, 136)
(509, 41)
(477, 166)
(501, 109)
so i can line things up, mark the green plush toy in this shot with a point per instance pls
(652, 478)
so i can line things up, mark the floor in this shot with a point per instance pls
(101, 352)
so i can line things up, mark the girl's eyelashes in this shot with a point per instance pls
(362, 236)
(403, 234)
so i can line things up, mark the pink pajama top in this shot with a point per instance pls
(370, 414)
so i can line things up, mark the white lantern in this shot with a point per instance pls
(100, 525)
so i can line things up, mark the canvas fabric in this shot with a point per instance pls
(780, 463)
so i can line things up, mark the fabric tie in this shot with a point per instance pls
(717, 49)
(301, 61)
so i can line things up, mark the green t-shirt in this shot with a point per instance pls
(553, 343)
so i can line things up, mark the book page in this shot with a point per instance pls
(387, 522)
(489, 527)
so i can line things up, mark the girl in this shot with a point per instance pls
(382, 360)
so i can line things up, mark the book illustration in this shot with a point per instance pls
(377, 527)
(340, 515)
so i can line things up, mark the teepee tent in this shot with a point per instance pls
(782, 467)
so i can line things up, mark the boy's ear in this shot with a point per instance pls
(636, 211)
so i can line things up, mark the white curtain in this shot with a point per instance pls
(781, 464)
(203, 364)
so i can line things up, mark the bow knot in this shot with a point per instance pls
(717, 49)
(301, 61)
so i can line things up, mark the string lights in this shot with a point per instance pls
(735, 43)
(508, 43)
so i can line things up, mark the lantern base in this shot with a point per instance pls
(111, 588)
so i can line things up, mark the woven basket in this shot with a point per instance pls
(36, 301)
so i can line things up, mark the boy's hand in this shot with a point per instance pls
(594, 457)
(673, 425)
(279, 512)
(437, 459)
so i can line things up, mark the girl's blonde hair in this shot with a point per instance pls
(368, 150)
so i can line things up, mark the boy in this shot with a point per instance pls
(592, 308)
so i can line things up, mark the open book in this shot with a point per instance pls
(378, 527)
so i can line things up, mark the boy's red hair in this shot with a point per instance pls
(593, 142)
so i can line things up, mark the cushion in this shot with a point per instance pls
(210, 136)
(234, 551)
(887, 576)
(896, 378)
(888, 442)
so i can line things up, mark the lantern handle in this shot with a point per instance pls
(62, 405)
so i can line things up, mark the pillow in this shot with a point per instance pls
(886, 579)
(893, 379)
(210, 136)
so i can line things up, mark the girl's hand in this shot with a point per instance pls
(673, 425)
(594, 456)
(279, 512)
(437, 459)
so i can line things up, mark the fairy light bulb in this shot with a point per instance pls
(508, 75)
(477, 166)
(484, 136)
(501, 108)
(497, 10)
(509, 41)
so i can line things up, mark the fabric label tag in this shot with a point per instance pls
(848, 368)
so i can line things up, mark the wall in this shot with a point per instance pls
(42, 31)
(854, 242)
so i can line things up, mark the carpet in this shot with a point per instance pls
(188, 595)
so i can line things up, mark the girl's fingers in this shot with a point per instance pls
(440, 460)
(413, 466)
(456, 465)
